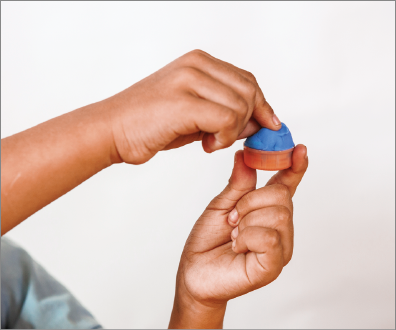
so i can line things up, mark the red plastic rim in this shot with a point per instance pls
(268, 160)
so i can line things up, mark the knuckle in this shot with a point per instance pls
(262, 102)
(240, 207)
(195, 55)
(273, 239)
(251, 90)
(283, 215)
(197, 51)
(244, 223)
(227, 142)
(250, 76)
(283, 191)
(229, 119)
(244, 203)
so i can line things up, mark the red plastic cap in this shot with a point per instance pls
(267, 160)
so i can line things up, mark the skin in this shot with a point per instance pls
(241, 243)
(194, 98)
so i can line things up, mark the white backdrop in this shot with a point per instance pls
(328, 70)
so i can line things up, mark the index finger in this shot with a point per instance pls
(273, 195)
(262, 111)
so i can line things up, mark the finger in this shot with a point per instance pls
(251, 128)
(278, 218)
(225, 74)
(212, 118)
(208, 88)
(212, 227)
(183, 140)
(262, 111)
(276, 194)
(292, 176)
(264, 262)
(223, 139)
(242, 181)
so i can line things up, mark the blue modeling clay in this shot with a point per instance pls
(268, 140)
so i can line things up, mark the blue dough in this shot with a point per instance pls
(268, 140)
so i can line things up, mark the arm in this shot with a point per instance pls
(241, 243)
(196, 97)
(44, 162)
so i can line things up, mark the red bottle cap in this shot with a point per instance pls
(267, 160)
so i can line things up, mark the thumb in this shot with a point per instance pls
(292, 176)
(243, 180)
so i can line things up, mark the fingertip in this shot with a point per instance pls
(239, 163)
(208, 142)
(251, 128)
(234, 246)
(300, 158)
(238, 157)
(266, 117)
(276, 121)
(268, 122)
(301, 150)
(242, 177)
(233, 219)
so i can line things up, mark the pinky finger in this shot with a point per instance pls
(265, 260)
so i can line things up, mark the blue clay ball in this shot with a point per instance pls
(268, 140)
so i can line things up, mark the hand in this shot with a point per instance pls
(196, 97)
(241, 243)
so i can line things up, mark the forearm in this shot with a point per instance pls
(44, 162)
(190, 314)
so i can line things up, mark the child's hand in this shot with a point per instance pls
(241, 242)
(196, 97)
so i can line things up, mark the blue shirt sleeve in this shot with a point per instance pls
(32, 299)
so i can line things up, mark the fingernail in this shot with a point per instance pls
(235, 233)
(233, 245)
(276, 120)
(306, 155)
(233, 216)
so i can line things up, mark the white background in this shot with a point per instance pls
(328, 70)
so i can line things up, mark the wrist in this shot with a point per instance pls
(100, 116)
(188, 313)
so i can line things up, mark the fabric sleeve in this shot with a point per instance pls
(32, 299)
